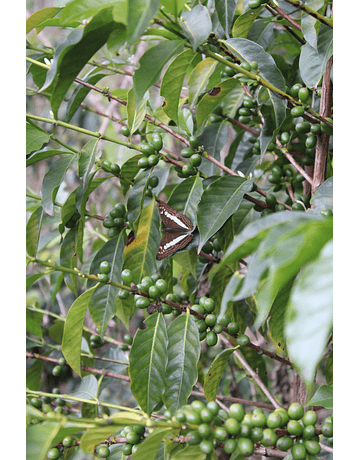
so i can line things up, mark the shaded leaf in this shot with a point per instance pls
(43, 154)
(214, 374)
(244, 22)
(323, 397)
(135, 112)
(309, 318)
(148, 448)
(225, 10)
(147, 363)
(186, 196)
(78, 10)
(40, 16)
(139, 256)
(196, 25)
(73, 329)
(33, 228)
(183, 353)
(36, 137)
(199, 78)
(52, 180)
(208, 103)
(39, 441)
(213, 138)
(173, 80)
(151, 65)
(140, 13)
(102, 303)
(323, 197)
(218, 202)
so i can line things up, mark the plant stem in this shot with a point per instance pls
(302, 6)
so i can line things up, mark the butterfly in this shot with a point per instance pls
(178, 230)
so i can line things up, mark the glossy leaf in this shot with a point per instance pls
(69, 259)
(218, 202)
(139, 256)
(129, 170)
(323, 397)
(172, 82)
(147, 363)
(43, 154)
(148, 448)
(185, 197)
(39, 442)
(309, 24)
(33, 228)
(213, 138)
(313, 61)
(214, 374)
(40, 16)
(137, 199)
(78, 10)
(87, 161)
(80, 93)
(196, 25)
(225, 10)
(199, 78)
(102, 303)
(135, 112)
(151, 65)
(273, 110)
(309, 319)
(183, 353)
(72, 55)
(52, 180)
(249, 239)
(36, 137)
(140, 13)
(244, 22)
(232, 288)
(323, 197)
(73, 330)
(208, 103)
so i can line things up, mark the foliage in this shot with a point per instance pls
(224, 112)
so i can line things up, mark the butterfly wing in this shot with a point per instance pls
(172, 242)
(172, 219)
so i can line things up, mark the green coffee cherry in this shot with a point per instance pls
(303, 94)
(143, 163)
(127, 276)
(156, 141)
(194, 142)
(245, 445)
(125, 131)
(296, 411)
(187, 152)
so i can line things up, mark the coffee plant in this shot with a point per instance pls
(179, 229)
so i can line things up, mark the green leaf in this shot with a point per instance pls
(80, 93)
(52, 180)
(323, 197)
(208, 103)
(151, 65)
(72, 55)
(249, 239)
(73, 330)
(78, 10)
(309, 318)
(147, 363)
(31, 279)
(218, 285)
(309, 24)
(196, 25)
(173, 80)
(33, 228)
(218, 202)
(313, 61)
(39, 16)
(137, 199)
(34, 375)
(214, 374)
(323, 397)
(87, 161)
(140, 13)
(213, 138)
(148, 448)
(199, 78)
(250, 51)
(135, 112)
(35, 138)
(40, 438)
(274, 112)
(139, 256)
(102, 304)
(295, 244)
(183, 354)
(173, 6)
(43, 154)
(225, 10)
(244, 22)
(69, 259)
(185, 197)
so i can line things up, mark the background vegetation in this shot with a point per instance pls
(224, 111)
